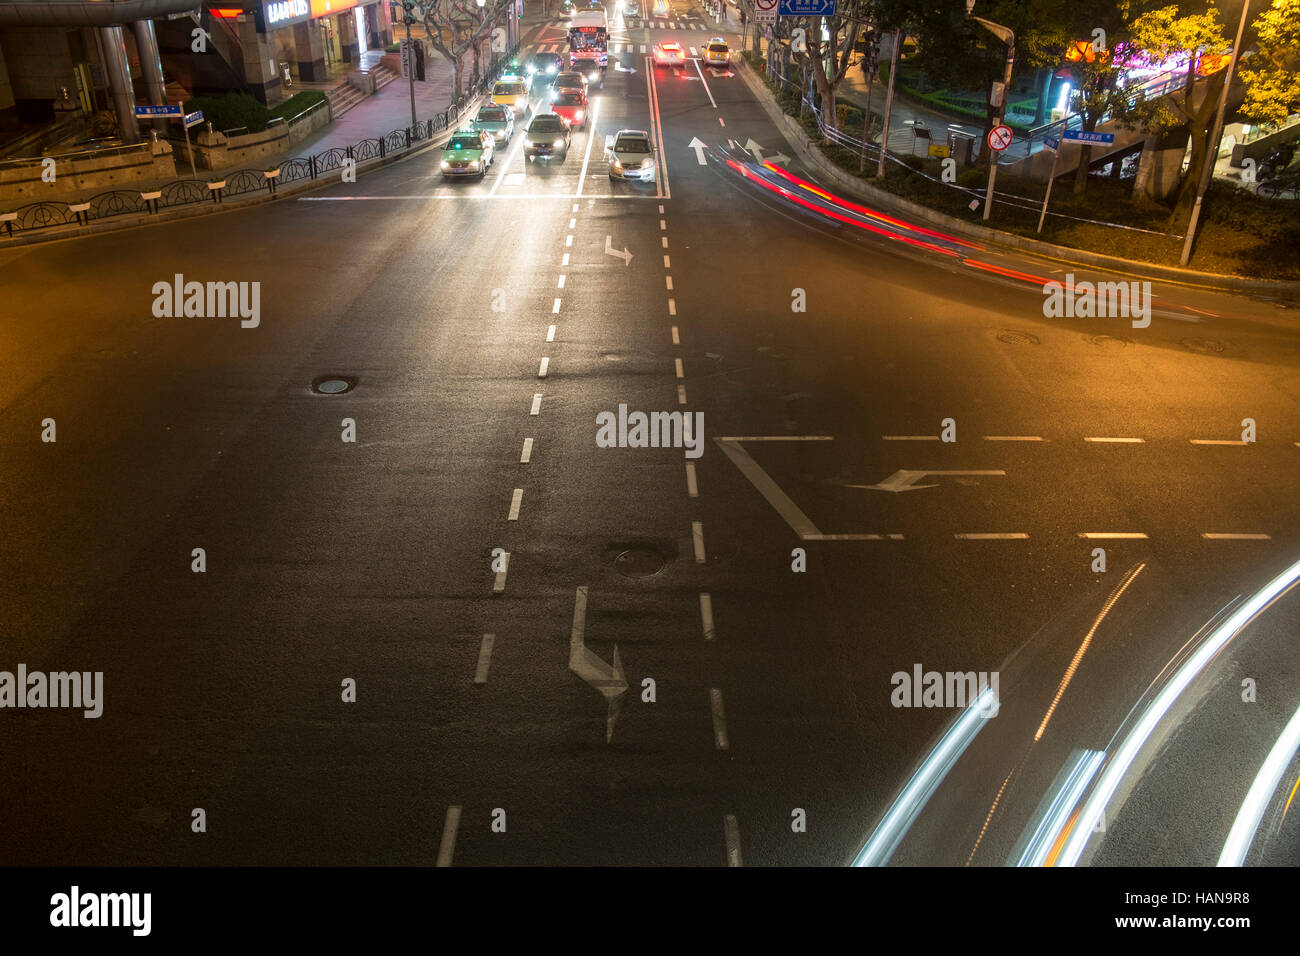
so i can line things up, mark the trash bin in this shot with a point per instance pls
(961, 146)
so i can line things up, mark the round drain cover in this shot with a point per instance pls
(332, 385)
(1016, 337)
(1203, 346)
(1107, 341)
(639, 562)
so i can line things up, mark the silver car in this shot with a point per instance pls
(631, 156)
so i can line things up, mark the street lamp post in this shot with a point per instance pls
(408, 8)
(1007, 36)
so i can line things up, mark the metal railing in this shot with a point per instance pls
(45, 214)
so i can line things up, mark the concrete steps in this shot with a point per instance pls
(342, 98)
(383, 76)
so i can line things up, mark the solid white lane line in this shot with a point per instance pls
(484, 658)
(537, 404)
(719, 719)
(555, 309)
(510, 158)
(499, 584)
(676, 340)
(586, 159)
(1118, 441)
(1221, 536)
(447, 848)
(705, 82)
(692, 488)
(909, 437)
(1013, 438)
(678, 363)
(526, 455)
(550, 333)
(681, 394)
(544, 367)
(992, 536)
(731, 830)
(706, 614)
(1216, 441)
(672, 306)
(697, 538)
(516, 500)
(1111, 534)
(560, 283)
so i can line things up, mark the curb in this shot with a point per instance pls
(809, 152)
(196, 210)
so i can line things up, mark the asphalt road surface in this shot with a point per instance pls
(483, 326)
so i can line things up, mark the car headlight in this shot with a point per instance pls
(618, 165)
(473, 164)
(595, 75)
(578, 116)
(446, 165)
(551, 68)
(558, 142)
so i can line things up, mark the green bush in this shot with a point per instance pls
(298, 103)
(915, 163)
(231, 111)
(1270, 219)
(970, 178)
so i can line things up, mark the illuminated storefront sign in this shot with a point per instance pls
(283, 12)
(323, 8)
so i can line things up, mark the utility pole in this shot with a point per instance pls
(409, 7)
(889, 102)
(1007, 36)
(1212, 145)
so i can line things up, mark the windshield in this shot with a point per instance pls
(465, 142)
(569, 99)
(717, 48)
(633, 144)
(508, 89)
(546, 124)
(491, 115)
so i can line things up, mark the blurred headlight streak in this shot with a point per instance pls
(900, 816)
(1252, 809)
(1046, 829)
(1122, 757)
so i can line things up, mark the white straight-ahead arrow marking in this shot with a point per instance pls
(696, 145)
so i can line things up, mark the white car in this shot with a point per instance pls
(631, 156)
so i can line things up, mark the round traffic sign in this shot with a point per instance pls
(999, 137)
(765, 5)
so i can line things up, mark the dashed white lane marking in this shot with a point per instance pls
(537, 404)
(672, 306)
(526, 455)
(568, 240)
(720, 121)
(448, 845)
(565, 261)
(719, 719)
(818, 536)
(555, 307)
(1014, 438)
(909, 437)
(642, 47)
(544, 368)
(992, 536)
(663, 240)
(575, 208)
(516, 500)
(1216, 441)
(776, 438)
(676, 340)
(560, 283)
(667, 264)
(681, 394)
(1112, 534)
(697, 538)
(706, 615)
(668, 280)
(1226, 536)
(661, 209)
(678, 363)
(731, 831)
(550, 333)
(499, 584)
(484, 658)
(573, 223)
(1118, 441)
(692, 487)
(663, 225)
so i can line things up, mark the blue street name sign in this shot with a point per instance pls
(168, 110)
(1079, 136)
(1050, 143)
(807, 8)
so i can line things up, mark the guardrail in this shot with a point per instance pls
(65, 157)
(46, 214)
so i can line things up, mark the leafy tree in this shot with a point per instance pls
(455, 28)
(1272, 74)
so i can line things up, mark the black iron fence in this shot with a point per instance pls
(47, 213)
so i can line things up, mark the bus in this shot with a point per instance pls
(589, 40)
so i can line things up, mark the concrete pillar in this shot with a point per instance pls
(146, 45)
(384, 18)
(119, 81)
(261, 67)
(311, 51)
(347, 25)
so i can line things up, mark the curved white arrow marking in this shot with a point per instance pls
(609, 680)
(903, 480)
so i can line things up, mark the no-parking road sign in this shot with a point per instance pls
(765, 11)
(999, 137)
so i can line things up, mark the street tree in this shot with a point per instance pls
(1272, 74)
(455, 28)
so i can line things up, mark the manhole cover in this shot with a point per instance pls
(638, 562)
(1016, 337)
(1203, 346)
(1107, 341)
(333, 385)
